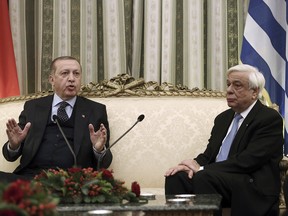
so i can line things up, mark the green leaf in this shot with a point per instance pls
(100, 199)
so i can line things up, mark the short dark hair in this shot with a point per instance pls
(52, 65)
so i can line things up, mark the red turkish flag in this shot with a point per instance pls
(8, 73)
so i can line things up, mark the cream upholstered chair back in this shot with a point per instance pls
(177, 124)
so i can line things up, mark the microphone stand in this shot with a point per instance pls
(139, 119)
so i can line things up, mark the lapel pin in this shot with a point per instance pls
(83, 116)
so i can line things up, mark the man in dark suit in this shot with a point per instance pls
(37, 138)
(247, 176)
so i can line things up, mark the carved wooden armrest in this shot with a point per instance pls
(283, 165)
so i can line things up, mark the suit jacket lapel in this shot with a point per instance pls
(81, 124)
(221, 132)
(42, 111)
(245, 124)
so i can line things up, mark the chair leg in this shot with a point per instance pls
(226, 212)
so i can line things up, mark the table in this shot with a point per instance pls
(199, 205)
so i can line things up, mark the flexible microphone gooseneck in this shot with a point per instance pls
(56, 119)
(139, 119)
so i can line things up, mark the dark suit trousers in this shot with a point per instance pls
(237, 190)
(10, 177)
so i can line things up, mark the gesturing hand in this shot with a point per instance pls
(15, 134)
(99, 137)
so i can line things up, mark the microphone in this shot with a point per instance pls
(56, 119)
(139, 119)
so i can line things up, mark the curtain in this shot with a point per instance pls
(190, 43)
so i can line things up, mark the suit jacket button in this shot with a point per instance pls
(251, 180)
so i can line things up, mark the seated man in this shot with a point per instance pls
(39, 141)
(244, 170)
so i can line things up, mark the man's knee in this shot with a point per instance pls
(201, 176)
(204, 181)
(177, 184)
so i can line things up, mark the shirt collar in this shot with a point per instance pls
(57, 100)
(246, 112)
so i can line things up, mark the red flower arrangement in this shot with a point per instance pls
(26, 198)
(135, 188)
(76, 185)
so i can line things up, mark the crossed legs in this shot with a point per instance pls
(237, 190)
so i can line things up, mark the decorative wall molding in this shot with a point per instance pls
(126, 85)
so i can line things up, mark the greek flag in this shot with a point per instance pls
(264, 46)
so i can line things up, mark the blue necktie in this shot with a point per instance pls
(223, 154)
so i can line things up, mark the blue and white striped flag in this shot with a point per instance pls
(264, 46)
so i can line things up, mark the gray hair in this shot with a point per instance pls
(256, 78)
